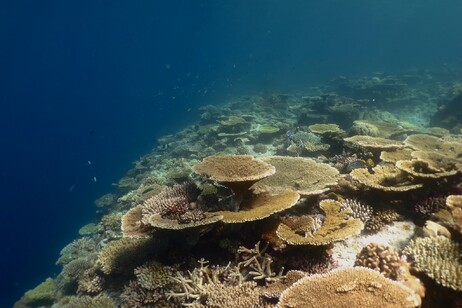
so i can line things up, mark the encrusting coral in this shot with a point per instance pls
(348, 287)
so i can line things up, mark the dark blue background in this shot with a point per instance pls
(100, 80)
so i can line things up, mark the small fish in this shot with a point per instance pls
(95, 179)
(359, 164)
(89, 162)
(164, 146)
(71, 188)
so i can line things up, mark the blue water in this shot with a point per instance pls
(99, 81)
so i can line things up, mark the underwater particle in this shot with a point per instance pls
(238, 172)
(348, 287)
(381, 258)
(439, 258)
(338, 225)
(360, 210)
(303, 175)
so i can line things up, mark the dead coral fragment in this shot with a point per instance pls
(348, 287)
(385, 178)
(338, 225)
(302, 175)
(260, 206)
(438, 257)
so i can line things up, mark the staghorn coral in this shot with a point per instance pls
(439, 258)
(337, 226)
(256, 264)
(302, 175)
(348, 287)
(121, 256)
(381, 258)
(359, 210)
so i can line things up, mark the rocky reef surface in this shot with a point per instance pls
(347, 194)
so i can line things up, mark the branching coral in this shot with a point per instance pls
(359, 210)
(438, 257)
(257, 264)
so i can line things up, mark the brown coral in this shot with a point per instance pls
(438, 257)
(385, 178)
(260, 206)
(337, 226)
(302, 175)
(381, 258)
(348, 287)
(132, 225)
(121, 256)
(454, 202)
(375, 143)
(238, 172)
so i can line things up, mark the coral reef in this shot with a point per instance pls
(270, 190)
(356, 287)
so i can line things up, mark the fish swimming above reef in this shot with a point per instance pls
(360, 164)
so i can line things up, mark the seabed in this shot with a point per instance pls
(348, 194)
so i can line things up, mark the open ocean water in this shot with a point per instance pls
(87, 88)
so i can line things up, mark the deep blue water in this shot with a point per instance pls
(99, 81)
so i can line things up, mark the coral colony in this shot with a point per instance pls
(343, 196)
